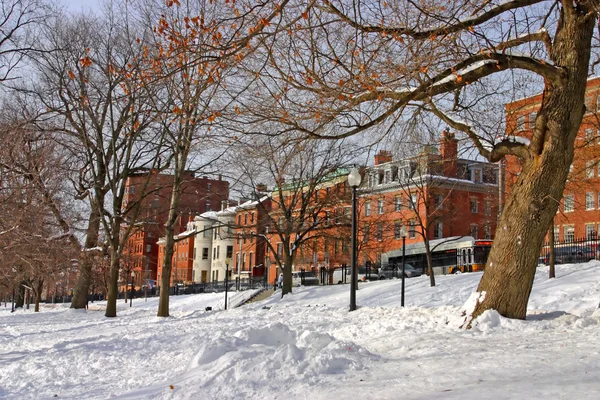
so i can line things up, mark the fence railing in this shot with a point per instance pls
(577, 250)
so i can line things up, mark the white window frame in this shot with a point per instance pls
(590, 198)
(569, 203)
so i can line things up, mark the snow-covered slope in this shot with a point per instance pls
(308, 346)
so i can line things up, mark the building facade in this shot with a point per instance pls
(578, 215)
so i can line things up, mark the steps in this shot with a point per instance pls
(263, 294)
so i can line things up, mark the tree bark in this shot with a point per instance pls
(551, 256)
(113, 289)
(82, 286)
(38, 294)
(165, 280)
(534, 199)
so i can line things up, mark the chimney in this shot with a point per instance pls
(449, 153)
(224, 204)
(383, 156)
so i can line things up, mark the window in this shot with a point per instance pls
(473, 205)
(368, 208)
(438, 201)
(208, 206)
(380, 231)
(252, 218)
(569, 233)
(487, 231)
(556, 233)
(569, 203)
(205, 253)
(589, 200)
(218, 251)
(397, 230)
(229, 252)
(327, 218)
(412, 233)
(245, 219)
(214, 253)
(194, 253)
(590, 231)
(250, 257)
(520, 122)
(476, 175)
(413, 201)
(487, 206)
(438, 231)
(206, 231)
(280, 250)
(366, 233)
(380, 206)
(532, 117)
(398, 204)
(388, 175)
(474, 231)
(589, 169)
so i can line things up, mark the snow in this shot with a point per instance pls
(308, 346)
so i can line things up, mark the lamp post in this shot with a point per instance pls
(403, 233)
(227, 261)
(354, 181)
(131, 293)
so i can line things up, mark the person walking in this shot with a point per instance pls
(280, 281)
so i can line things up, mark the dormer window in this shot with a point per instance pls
(380, 177)
(388, 175)
(476, 175)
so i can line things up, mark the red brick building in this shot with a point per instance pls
(153, 191)
(579, 210)
(250, 247)
(435, 194)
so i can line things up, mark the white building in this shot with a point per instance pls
(203, 246)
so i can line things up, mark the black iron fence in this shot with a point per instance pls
(577, 250)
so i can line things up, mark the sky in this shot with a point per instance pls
(309, 346)
(78, 5)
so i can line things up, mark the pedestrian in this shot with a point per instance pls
(280, 280)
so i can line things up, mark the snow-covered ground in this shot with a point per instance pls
(308, 346)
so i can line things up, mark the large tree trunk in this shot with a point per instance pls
(38, 294)
(165, 281)
(551, 255)
(429, 264)
(82, 286)
(113, 283)
(287, 274)
(533, 200)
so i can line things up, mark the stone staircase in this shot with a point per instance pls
(263, 294)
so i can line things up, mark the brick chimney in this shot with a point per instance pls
(382, 157)
(449, 153)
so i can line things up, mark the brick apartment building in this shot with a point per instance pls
(578, 215)
(199, 194)
(435, 193)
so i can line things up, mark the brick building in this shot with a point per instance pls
(153, 192)
(435, 194)
(579, 210)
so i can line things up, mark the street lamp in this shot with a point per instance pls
(354, 181)
(403, 233)
(131, 293)
(227, 261)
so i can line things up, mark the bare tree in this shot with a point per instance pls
(377, 61)
(309, 182)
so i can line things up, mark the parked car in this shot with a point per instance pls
(304, 278)
(395, 271)
(570, 254)
(365, 274)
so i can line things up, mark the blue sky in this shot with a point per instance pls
(77, 5)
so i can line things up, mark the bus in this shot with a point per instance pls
(453, 255)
